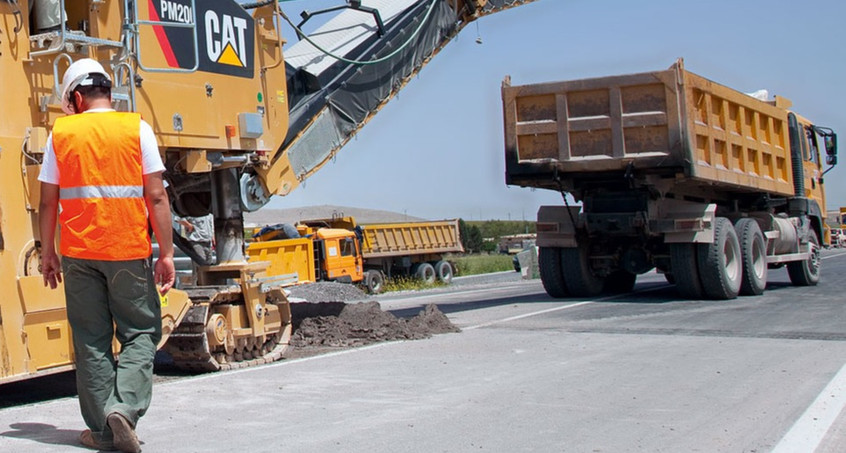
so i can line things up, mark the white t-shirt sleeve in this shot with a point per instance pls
(49, 169)
(151, 160)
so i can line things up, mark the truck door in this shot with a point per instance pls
(813, 166)
(343, 261)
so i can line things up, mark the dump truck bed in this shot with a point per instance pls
(672, 123)
(413, 238)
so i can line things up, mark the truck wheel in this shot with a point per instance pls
(444, 271)
(685, 270)
(581, 282)
(807, 272)
(374, 281)
(620, 282)
(425, 272)
(551, 274)
(720, 263)
(753, 251)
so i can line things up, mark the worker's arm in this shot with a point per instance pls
(51, 267)
(158, 206)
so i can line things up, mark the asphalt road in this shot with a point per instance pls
(642, 372)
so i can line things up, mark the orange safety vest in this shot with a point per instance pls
(101, 186)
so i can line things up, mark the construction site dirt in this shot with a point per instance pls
(331, 316)
(328, 326)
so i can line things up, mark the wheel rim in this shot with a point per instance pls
(444, 272)
(759, 262)
(814, 261)
(426, 273)
(732, 261)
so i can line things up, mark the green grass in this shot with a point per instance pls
(408, 284)
(464, 265)
(481, 264)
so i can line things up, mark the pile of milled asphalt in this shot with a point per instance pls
(333, 315)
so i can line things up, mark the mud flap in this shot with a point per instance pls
(555, 226)
(685, 222)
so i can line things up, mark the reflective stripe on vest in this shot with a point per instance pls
(69, 193)
(101, 186)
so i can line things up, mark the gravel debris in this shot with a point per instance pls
(361, 324)
(327, 292)
(328, 316)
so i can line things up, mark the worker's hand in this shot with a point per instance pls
(51, 269)
(164, 274)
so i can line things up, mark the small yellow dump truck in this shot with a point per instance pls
(670, 171)
(338, 249)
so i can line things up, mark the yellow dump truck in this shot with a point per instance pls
(338, 249)
(672, 171)
(236, 122)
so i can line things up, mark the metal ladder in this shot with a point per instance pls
(63, 41)
(134, 28)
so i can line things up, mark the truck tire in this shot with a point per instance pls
(753, 251)
(620, 282)
(425, 272)
(580, 281)
(720, 263)
(685, 270)
(551, 274)
(807, 272)
(374, 281)
(444, 271)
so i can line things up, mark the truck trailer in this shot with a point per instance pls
(668, 170)
(339, 249)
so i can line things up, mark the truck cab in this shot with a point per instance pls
(806, 142)
(338, 255)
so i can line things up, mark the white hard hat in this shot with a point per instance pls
(76, 73)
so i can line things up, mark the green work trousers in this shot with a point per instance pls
(107, 299)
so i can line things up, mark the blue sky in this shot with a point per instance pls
(436, 151)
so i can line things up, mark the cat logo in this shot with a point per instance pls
(225, 39)
(225, 36)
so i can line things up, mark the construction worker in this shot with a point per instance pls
(104, 169)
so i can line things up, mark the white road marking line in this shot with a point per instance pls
(526, 315)
(563, 307)
(810, 429)
(833, 256)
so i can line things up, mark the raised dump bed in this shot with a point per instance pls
(671, 122)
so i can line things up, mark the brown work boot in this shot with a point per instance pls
(125, 439)
(87, 439)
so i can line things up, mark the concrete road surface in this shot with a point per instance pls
(643, 372)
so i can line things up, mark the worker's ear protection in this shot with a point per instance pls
(92, 80)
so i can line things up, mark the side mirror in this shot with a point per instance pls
(831, 144)
(830, 141)
(831, 159)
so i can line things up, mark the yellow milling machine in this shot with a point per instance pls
(236, 123)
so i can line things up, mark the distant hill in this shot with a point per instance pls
(268, 216)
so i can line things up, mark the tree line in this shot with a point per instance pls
(474, 233)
